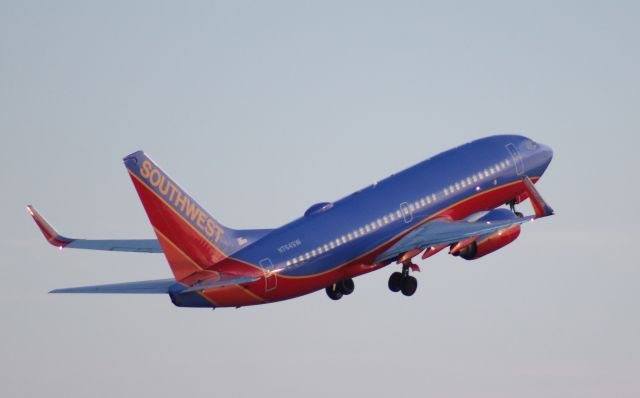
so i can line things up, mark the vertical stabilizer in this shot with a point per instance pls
(191, 238)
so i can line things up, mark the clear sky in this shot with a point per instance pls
(261, 109)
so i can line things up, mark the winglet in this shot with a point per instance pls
(541, 208)
(48, 231)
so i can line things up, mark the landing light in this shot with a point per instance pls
(477, 188)
(60, 247)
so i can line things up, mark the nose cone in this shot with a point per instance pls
(544, 156)
(547, 153)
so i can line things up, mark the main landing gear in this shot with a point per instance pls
(402, 281)
(512, 206)
(342, 288)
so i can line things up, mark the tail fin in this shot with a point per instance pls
(191, 238)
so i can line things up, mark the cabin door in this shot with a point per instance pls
(407, 214)
(517, 158)
(270, 280)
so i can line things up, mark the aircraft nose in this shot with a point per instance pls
(547, 153)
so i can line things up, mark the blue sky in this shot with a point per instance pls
(262, 109)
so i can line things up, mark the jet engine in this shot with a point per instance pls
(489, 243)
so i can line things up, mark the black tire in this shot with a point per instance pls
(333, 293)
(409, 286)
(346, 286)
(395, 281)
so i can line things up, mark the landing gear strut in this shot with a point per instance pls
(512, 206)
(402, 281)
(343, 288)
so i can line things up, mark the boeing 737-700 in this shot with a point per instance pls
(453, 200)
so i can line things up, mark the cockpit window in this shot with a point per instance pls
(531, 145)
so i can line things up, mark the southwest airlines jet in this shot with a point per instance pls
(452, 200)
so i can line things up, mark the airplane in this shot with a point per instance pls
(453, 200)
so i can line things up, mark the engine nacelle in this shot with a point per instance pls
(489, 243)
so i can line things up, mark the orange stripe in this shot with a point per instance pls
(201, 293)
(208, 299)
(192, 261)
(233, 296)
(249, 292)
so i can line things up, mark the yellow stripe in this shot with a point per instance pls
(252, 294)
(201, 293)
(208, 299)
(190, 259)
(245, 290)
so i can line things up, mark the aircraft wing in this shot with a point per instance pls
(441, 232)
(143, 287)
(121, 245)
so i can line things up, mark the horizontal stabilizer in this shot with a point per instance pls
(119, 245)
(143, 287)
(224, 280)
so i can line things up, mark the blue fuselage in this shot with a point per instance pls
(333, 234)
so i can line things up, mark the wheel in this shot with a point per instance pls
(409, 286)
(346, 286)
(333, 293)
(395, 281)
